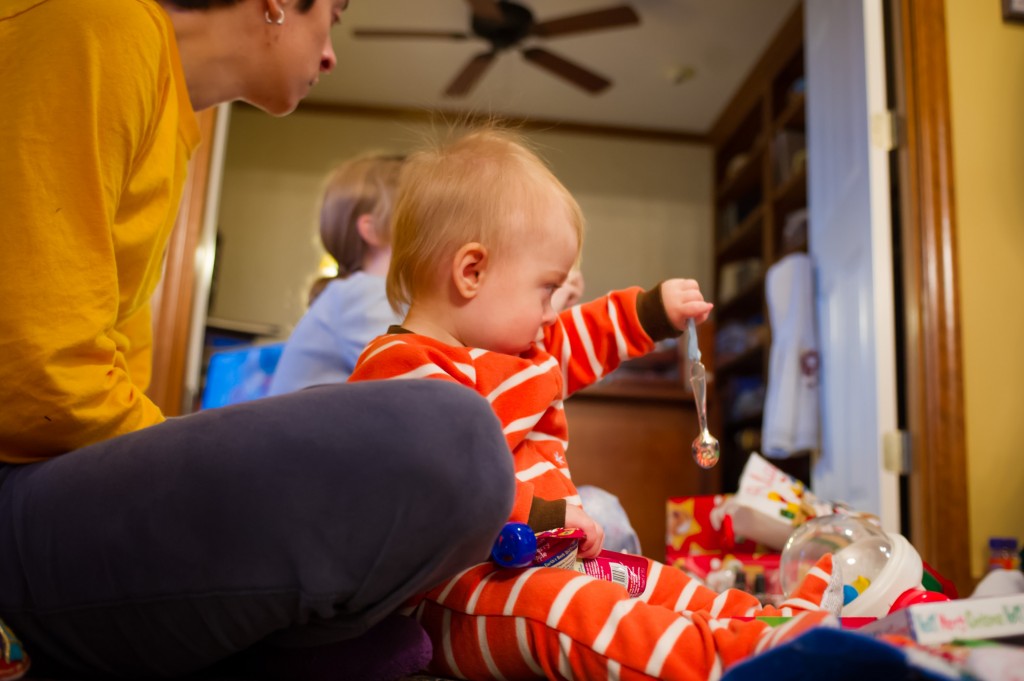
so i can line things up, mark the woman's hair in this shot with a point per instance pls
(302, 5)
(485, 186)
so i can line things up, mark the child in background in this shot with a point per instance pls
(484, 235)
(346, 311)
(570, 292)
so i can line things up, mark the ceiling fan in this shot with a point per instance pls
(504, 24)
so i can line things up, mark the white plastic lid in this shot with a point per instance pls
(903, 570)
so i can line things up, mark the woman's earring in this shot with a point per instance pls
(278, 21)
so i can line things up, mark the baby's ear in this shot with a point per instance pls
(468, 268)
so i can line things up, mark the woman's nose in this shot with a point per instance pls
(328, 60)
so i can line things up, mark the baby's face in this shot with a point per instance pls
(515, 301)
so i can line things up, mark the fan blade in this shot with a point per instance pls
(486, 9)
(386, 33)
(470, 74)
(577, 75)
(624, 15)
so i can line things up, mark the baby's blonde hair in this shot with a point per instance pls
(486, 186)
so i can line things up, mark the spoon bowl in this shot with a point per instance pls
(706, 449)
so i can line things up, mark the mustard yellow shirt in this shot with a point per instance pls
(96, 130)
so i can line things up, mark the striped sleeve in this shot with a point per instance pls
(591, 340)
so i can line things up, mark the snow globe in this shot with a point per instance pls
(877, 567)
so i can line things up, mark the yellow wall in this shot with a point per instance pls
(986, 60)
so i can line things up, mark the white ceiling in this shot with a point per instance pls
(720, 40)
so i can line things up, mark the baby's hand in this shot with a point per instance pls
(577, 517)
(683, 300)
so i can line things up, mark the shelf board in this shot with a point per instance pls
(748, 301)
(750, 360)
(793, 192)
(732, 425)
(793, 116)
(747, 177)
(248, 328)
(745, 238)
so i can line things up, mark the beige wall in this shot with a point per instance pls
(986, 59)
(647, 203)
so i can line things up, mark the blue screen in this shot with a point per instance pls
(240, 374)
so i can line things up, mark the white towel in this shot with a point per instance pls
(791, 420)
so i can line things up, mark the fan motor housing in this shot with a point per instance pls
(515, 25)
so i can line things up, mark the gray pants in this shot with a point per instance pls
(301, 520)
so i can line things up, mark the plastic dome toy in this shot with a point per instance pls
(878, 568)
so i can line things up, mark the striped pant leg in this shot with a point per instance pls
(672, 588)
(675, 589)
(492, 623)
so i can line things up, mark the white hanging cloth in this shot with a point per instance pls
(791, 412)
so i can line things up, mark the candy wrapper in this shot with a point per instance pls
(557, 548)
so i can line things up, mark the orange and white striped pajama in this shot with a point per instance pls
(496, 623)
(500, 623)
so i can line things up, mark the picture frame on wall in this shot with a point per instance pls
(1013, 10)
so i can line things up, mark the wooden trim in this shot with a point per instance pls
(533, 124)
(935, 417)
(173, 300)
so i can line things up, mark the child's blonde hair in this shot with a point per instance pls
(361, 186)
(486, 186)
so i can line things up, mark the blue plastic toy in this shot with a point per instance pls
(515, 547)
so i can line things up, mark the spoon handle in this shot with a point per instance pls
(693, 351)
(698, 376)
(698, 379)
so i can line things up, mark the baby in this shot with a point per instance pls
(483, 237)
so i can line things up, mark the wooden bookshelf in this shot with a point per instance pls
(760, 184)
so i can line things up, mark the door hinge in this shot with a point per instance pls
(885, 130)
(896, 452)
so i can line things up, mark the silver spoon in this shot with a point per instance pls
(706, 449)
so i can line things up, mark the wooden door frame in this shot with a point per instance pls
(174, 298)
(938, 492)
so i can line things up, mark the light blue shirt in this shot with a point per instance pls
(329, 338)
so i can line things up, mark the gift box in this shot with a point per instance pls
(702, 542)
(770, 504)
(971, 619)
(699, 525)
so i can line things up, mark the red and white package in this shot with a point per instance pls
(624, 569)
(557, 548)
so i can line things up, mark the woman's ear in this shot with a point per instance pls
(274, 9)
(366, 226)
(468, 268)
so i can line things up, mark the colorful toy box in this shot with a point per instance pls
(701, 541)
